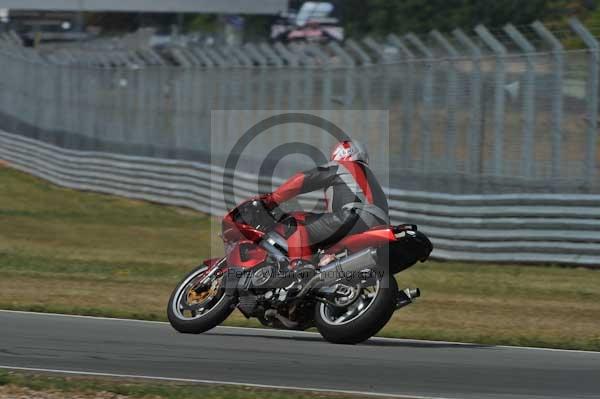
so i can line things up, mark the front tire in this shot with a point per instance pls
(365, 323)
(193, 310)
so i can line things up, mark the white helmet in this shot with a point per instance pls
(349, 151)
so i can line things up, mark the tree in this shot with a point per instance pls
(380, 17)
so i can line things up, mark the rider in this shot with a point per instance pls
(357, 201)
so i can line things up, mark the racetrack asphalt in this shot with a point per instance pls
(408, 368)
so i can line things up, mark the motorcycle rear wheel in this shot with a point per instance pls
(193, 310)
(355, 324)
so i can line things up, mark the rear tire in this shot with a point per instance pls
(365, 325)
(222, 306)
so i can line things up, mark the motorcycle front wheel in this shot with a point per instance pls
(363, 318)
(199, 302)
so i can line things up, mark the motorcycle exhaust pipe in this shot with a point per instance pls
(406, 297)
(346, 267)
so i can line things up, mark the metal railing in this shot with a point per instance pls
(482, 113)
(489, 112)
(547, 228)
(492, 145)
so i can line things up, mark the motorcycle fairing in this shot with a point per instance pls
(244, 239)
(399, 247)
(374, 237)
(246, 254)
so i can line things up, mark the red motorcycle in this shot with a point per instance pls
(346, 290)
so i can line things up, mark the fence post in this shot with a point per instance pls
(348, 65)
(348, 69)
(217, 58)
(255, 55)
(282, 54)
(178, 55)
(499, 96)
(408, 97)
(224, 86)
(368, 70)
(557, 97)
(259, 81)
(155, 58)
(307, 94)
(241, 54)
(204, 59)
(451, 100)
(246, 75)
(381, 61)
(210, 92)
(291, 59)
(360, 53)
(427, 114)
(592, 99)
(528, 124)
(268, 54)
(475, 119)
(263, 58)
(276, 78)
(294, 87)
(374, 47)
(327, 89)
(232, 95)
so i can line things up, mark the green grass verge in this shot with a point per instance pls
(83, 386)
(85, 253)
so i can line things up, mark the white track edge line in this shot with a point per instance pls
(292, 333)
(217, 382)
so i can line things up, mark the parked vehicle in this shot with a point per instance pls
(314, 22)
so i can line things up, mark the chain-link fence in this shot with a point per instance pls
(514, 110)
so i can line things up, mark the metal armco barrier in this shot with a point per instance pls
(540, 228)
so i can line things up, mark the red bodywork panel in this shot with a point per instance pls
(239, 231)
(234, 231)
(254, 255)
(375, 237)
(243, 238)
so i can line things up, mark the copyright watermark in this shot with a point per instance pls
(253, 152)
